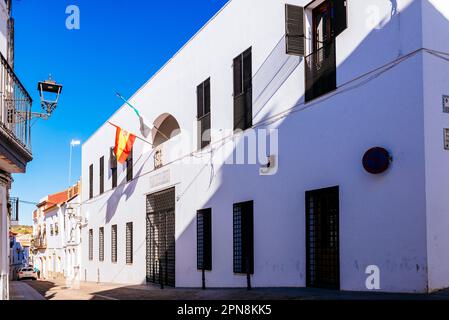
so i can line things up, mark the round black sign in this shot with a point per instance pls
(376, 160)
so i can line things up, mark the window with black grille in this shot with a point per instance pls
(91, 244)
(129, 243)
(113, 165)
(91, 181)
(129, 167)
(203, 114)
(244, 237)
(101, 176)
(204, 239)
(101, 244)
(114, 243)
(243, 103)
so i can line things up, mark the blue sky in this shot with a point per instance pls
(119, 46)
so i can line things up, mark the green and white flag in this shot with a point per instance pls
(145, 130)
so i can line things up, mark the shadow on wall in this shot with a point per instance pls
(124, 189)
(236, 183)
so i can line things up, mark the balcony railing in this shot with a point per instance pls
(14, 209)
(321, 72)
(15, 107)
(39, 243)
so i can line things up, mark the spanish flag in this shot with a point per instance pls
(124, 142)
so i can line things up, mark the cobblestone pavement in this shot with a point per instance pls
(58, 290)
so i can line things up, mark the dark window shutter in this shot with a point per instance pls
(239, 112)
(129, 167)
(339, 16)
(207, 96)
(294, 30)
(101, 175)
(238, 87)
(243, 82)
(113, 159)
(113, 165)
(247, 70)
(91, 181)
(200, 100)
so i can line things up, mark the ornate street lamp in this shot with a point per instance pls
(49, 92)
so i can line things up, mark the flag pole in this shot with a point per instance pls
(138, 114)
(114, 125)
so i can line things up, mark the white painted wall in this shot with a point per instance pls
(4, 245)
(55, 242)
(382, 218)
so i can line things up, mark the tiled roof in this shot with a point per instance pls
(59, 198)
(56, 199)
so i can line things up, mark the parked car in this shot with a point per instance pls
(27, 273)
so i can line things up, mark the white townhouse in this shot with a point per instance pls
(57, 235)
(15, 137)
(326, 163)
(72, 235)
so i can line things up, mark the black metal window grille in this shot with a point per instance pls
(129, 243)
(243, 88)
(204, 239)
(243, 227)
(161, 237)
(114, 243)
(101, 175)
(129, 167)
(91, 181)
(322, 234)
(101, 244)
(113, 165)
(203, 114)
(91, 244)
(321, 72)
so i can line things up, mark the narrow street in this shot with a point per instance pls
(22, 291)
(57, 290)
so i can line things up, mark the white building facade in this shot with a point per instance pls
(356, 75)
(15, 139)
(72, 235)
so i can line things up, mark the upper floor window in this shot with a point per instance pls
(113, 165)
(129, 167)
(203, 114)
(91, 181)
(328, 20)
(243, 85)
(101, 175)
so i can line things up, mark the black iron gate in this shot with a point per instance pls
(161, 237)
(323, 253)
